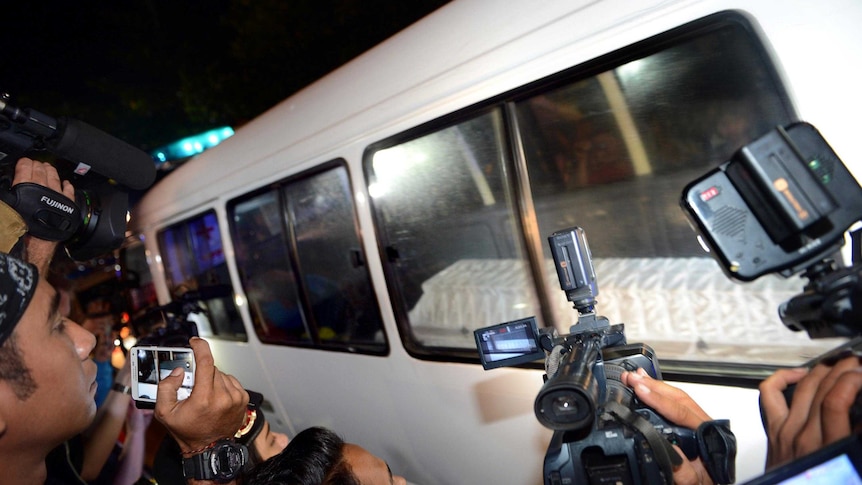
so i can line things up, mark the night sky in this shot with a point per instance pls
(151, 71)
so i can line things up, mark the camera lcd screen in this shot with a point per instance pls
(837, 463)
(509, 343)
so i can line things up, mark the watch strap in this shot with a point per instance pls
(121, 388)
(198, 466)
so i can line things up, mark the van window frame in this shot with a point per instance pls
(382, 349)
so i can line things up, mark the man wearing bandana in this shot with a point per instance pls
(47, 380)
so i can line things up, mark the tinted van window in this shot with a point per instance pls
(302, 265)
(195, 269)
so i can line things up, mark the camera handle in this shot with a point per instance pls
(49, 214)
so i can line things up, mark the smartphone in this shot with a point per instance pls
(151, 364)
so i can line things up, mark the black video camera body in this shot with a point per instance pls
(101, 168)
(602, 432)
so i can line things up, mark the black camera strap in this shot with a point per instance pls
(665, 455)
(717, 448)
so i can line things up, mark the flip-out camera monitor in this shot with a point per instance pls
(509, 343)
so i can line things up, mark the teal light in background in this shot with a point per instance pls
(191, 145)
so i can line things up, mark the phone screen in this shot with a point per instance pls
(152, 364)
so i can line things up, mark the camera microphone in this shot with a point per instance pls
(100, 152)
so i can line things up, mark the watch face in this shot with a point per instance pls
(228, 459)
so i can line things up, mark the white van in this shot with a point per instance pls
(368, 224)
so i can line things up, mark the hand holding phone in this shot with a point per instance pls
(214, 410)
(151, 364)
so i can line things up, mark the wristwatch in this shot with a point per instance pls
(220, 463)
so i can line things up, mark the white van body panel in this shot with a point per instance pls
(446, 423)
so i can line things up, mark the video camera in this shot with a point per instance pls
(102, 169)
(602, 432)
(782, 204)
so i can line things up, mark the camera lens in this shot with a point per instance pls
(567, 400)
(103, 225)
(565, 408)
(564, 405)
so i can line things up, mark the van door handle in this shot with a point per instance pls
(392, 254)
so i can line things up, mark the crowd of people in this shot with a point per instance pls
(60, 425)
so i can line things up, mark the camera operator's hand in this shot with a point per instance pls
(677, 407)
(215, 409)
(819, 413)
(39, 251)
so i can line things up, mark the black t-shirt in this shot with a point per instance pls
(64, 462)
(168, 463)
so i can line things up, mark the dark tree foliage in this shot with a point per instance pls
(153, 71)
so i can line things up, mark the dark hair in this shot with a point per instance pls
(314, 457)
(13, 370)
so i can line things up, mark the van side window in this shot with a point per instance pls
(302, 265)
(447, 213)
(267, 275)
(607, 146)
(195, 265)
(612, 152)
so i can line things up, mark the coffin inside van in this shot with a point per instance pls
(684, 308)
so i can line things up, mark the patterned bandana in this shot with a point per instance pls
(17, 286)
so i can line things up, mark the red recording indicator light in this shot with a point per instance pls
(709, 193)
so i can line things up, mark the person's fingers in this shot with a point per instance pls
(772, 400)
(23, 171)
(52, 178)
(230, 387)
(810, 436)
(685, 474)
(672, 403)
(835, 410)
(801, 405)
(205, 370)
(39, 173)
(68, 189)
(44, 174)
(233, 385)
(776, 411)
(818, 409)
(690, 472)
(166, 393)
